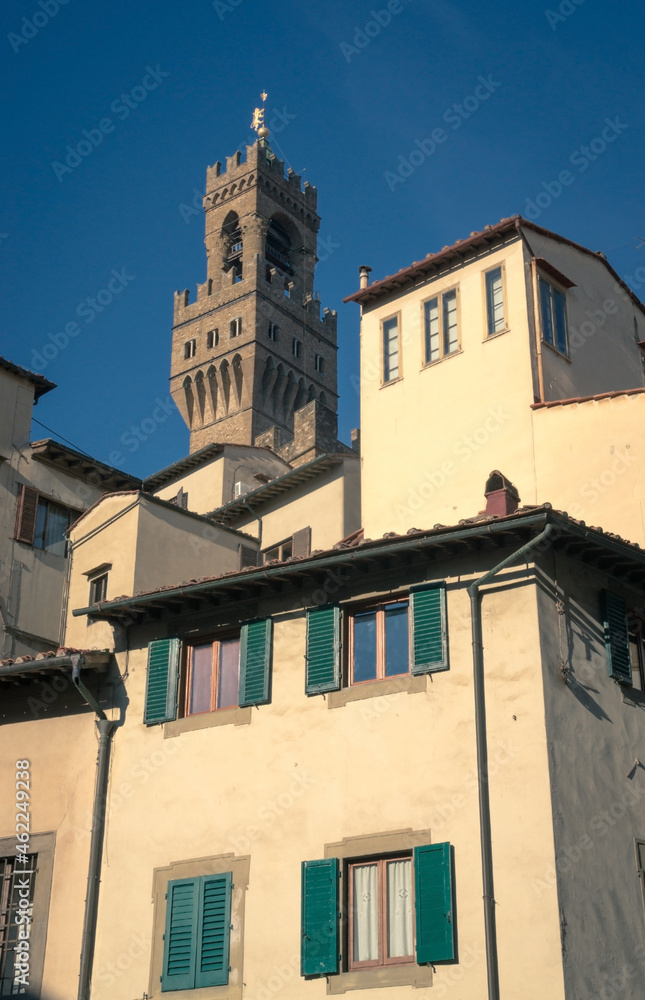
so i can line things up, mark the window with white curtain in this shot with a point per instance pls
(380, 912)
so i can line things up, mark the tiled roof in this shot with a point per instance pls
(42, 384)
(461, 248)
(587, 399)
(358, 547)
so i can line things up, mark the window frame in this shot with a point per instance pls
(490, 334)
(273, 332)
(98, 593)
(636, 637)
(212, 338)
(296, 348)
(553, 285)
(380, 608)
(48, 503)
(383, 961)
(319, 364)
(280, 546)
(235, 327)
(187, 672)
(42, 845)
(190, 349)
(239, 866)
(386, 319)
(443, 354)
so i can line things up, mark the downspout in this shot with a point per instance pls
(105, 728)
(482, 758)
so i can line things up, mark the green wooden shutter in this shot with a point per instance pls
(255, 662)
(323, 650)
(162, 681)
(616, 637)
(319, 947)
(180, 938)
(433, 902)
(214, 930)
(428, 629)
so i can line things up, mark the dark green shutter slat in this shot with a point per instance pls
(616, 637)
(323, 650)
(428, 629)
(181, 935)
(162, 681)
(433, 903)
(319, 950)
(255, 662)
(214, 933)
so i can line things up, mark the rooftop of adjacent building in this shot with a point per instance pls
(460, 251)
(40, 383)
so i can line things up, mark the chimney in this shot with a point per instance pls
(501, 496)
(364, 275)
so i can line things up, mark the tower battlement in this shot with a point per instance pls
(252, 349)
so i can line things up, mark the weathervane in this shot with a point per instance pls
(258, 118)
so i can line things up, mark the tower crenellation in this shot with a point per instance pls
(252, 349)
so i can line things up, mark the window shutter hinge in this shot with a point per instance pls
(230, 927)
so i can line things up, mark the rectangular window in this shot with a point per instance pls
(212, 338)
(390, 329)
(296, 347)
(190, 349)
(213, 676)
(283, 550)
(495, 320)
(197, 933)
(553, 315)
(395, 908)
(640, 864)
(637, 650)
(380, 912)
(52, 521)
(441, 326)
(235, 328)
(10, 910)
(378, 642)
(319, 363)
(98, 589)
(273, 331)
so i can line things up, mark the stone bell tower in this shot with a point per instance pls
(252, 350)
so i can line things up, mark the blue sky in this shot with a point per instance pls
(495, 100)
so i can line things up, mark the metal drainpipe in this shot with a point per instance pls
(482, 759)
(105, 728)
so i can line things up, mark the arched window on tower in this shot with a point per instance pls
(233, 245)
(278, 246)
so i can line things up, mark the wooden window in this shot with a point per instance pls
(235, 328)
(319, 363)
(390, 338)
(378, 642)
(197, 935)
(11, 878)
(213, 676)
(190, 349)
(553, 315)
(495, 318)
(283, 550)
(380, 909)
(98, 588)
(273, 331)
(396, 908)
(26, 514)
(616, 629)
(296, 347)
(441, 326)
(212, 339)
(636, 626)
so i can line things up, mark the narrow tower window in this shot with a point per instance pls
(190, 349)
(212, 338)
(273, 331)
(296, 347)
(236, 326)
(319, 363)
(495, 301)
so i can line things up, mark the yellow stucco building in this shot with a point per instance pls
(385, 745)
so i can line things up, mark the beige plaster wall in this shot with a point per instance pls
(330, 504)
(430, 440)
(590, 461)
(604, 326)
(595, 736)
(211, 485)
(62, 756)
(302, 775)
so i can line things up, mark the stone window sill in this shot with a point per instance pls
(408, 684)
(206, 720)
